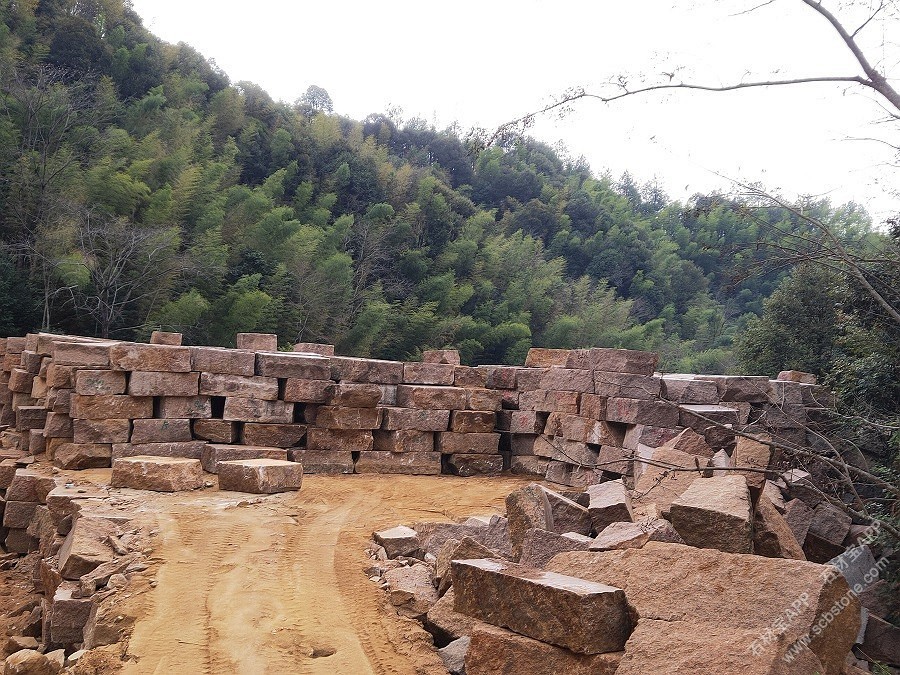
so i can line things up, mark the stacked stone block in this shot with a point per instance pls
(574, 417)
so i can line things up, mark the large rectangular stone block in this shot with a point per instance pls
(583, 429)
(187, 407)
(255, 410)
(161, 337)
(473, 421)
(748, 388)
(215, 431)
(150, 358)
(30, 417)
(257, 341)
(431, 398)
(217, 384)
(613, 360)
(307, 391)
(143, 383)
(475, 465)
(91, 354)
(58, 425)
(186, 449)
(292, 364)
(527, 422)
(341, 440)
(79, 456)
(467, 376)
(375, 371)
(160, 431)
(106, 407)
(583, 616)
(639, 411)
(273, 435)
(715, 513)
(337, 417)
(411, 463)
(542, 400)
(223, 361)
(568, 379)
(689, 390)
(449, 442)
(353, 395)
(626, 385)
(160, 474)
(428, 373)
(111, 430)
(260, 476)
(214, 453)
(403, 440)
(545, 358)
(486, 399)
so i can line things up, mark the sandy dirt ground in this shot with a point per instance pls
(247, 584)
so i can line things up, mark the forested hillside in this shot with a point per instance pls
(142, 189)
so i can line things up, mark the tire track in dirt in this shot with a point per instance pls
(276, 584)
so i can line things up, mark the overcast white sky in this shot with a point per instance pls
(487, 62)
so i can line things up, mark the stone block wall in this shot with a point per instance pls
(566, 415)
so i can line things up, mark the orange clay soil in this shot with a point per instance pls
(249, 584)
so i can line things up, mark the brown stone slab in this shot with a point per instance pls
(345, 440)
(185, 407)
(467, 465)
(150, 358)
(113, 430)
(338, 417)
(640, 411)
(715, 513)
(186, 449)
(375, 371)
(213, 453)
(545, 358)
(307, 391)
(141, 383)
(403, 440)
(613, 360)
(159, 474)
(428, 373)
(431, 398)
(583, 616)
(274, 435)
(486, 399)
(568, 379)
(255, 410)
(160, 431)
(223, 361)
(220, 384)
(257, 341)
(449, 442)
(82, 354)
(105, 407)
(473, 421)
(354, 395)
(411, 463)
(159, 337)
(292, 364)
(542, 400)
(215, 431)
(260, 476)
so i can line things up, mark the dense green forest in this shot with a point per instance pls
(141, 189)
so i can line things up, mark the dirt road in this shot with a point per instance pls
(276, 584)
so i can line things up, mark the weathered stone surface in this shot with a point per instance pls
(190, 407)
(410, 590)
(99, 382)
(654, 485)
(273, 435)
(68, 615)
(526, 422)
(772, 537)
(572, 476)
(222, 361)
(475, 465)
(90, 354)
(473, 421)
(535, 506)
(222, 384)
(256, 410)
(490, 399)
(257, 341)
(544, 358)
(18, 514)
(293, 364)
(396, 419)
(620, 535)
(160, 431)
(799, 517)
(160, 474)
(450, 356)
(691, 442)
(662, 583)
(689, 390)
(160, 358)
(454, 549)
(609, 503)
(101, 430)
(142, 383)
(454, 655)
(350, 395)
(640, 411)
(797, 376)
(592, 406)
(626, 385)
(214, 453)
(29, 662)
(614, 360)
(449, 442)
(404, 440)
(494, 533)
(748, 388)
(215, 431)
(700, 417)
(106, 407)
(28, 485)
(755, 455)
(397, 541)
(78, 456)
(858, 566)
(159, 337)
(411, 463)
(882, 642)
(583, 429)
(568, 379)
(428, 373)
(322, 461)
(86, 546)
(375, 371)
(184, 449)
(339, 417)
(260, 476)
(467, 376)
(314, 348)
(539, 546)
(431, 398)
(826, 534)
(343, 440)
(66, 500)
(542, 400)
(586, 617)
(445, 623)
(715, 513)
(307, 391)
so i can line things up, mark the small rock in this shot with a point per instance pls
(454, 655)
